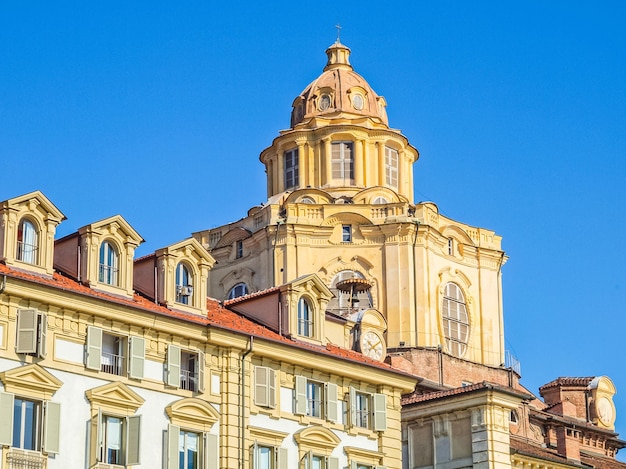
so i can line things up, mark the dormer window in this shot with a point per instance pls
(238, 290)
(109, 264)
(27, 242)
(239, 249)
(184, 288)
(291, 169)
(305, 318)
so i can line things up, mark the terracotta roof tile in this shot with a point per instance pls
(217, 316)
(567, 381)
(416, 398)
(249, 296)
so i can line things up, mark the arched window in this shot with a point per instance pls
(455, 320)
(380, 201)
(345, 302)
(27, 242)
(109, 264)
(184, 288)
(238, 290)
(307, 200)
(305, 318)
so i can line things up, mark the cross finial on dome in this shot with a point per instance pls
(338, 26)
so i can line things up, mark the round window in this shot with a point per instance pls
(357, 102)
(324, 102)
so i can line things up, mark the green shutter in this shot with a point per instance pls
(211, 451)
(173, 436)
(261, 377)
(133, 429)
(173, 366)
(99, 443)
(380, 413)
(93, 357)
(52, 428)
(42, 336)
(333, 463)
(26, 341)
(331, 402)
(200, 371)
(6, 417)
(282, 458)
(271, 388)
(352, 405)
(137, 357)
(300, 396)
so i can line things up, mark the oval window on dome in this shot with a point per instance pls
(324, 102)
(357, 102)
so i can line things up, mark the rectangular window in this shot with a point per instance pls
(315, 399)
(239, 249)
(362, 404)
(268, 457)
(346, 233)
(291, 169)
(118, 439)
(112, 354)
(36, 425)
(32, 328)
(368, 410)
(317, 461)
(185, 369)
(189, 449)
(391, 167)
(264, 386)
(342, 161)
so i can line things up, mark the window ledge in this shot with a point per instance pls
(31, 459)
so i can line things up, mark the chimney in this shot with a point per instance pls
(568, 443)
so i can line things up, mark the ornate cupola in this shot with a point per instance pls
(339, 139)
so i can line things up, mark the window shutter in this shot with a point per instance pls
(133, 428)
(173, 435)
(271, 388)
(261, 377)
(52, 428)
(200, 371)
(282, 458)
(42, 336)
(300, 397)
(26, 331)
(380, 413)
(333, 463)
(352, 406)
(137, 357)
(173, 366)
(99, 443)
(353, 465)
(211, 451)
(331, 402)
(254, 455)
(6, 417)
(94, 348)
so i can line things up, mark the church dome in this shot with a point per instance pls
(339, 93)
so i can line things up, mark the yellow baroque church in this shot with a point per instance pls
(340, 325)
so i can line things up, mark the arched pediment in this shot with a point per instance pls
(193, 413)
(367, 196)
(31, 381)
(317, 437)
(448, 274)
(117, 228)
(233, 235)
(312, 282)
(451, 231)
(318, 195)
(373, 318)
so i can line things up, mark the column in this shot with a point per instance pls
(328, 167)
(358, 163)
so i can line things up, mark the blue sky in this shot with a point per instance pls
(517, 108)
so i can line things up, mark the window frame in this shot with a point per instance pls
(239, 249)
(47, 418)
(129, 438)
(278, 456)
(328, 401)
(376, 410)
(306, 318)
(346, 233)
(130, 358)
(455, 319)
(184, 284)
(30, 255)
(109, 263)
(179, 376)
(392, 159)
(241, 286)
(208, 445)
(342, 161)
(291, 167)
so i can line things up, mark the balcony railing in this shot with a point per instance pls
(22, 459)
(188, 380)
(111, 363)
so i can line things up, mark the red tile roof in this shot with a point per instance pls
(217, 316)
(416, 398)
(249, 296)
(567, 381)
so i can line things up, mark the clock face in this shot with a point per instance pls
(372, 345)
(604, 409)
